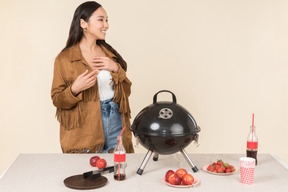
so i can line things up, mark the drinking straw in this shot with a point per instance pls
(119, 153)
(252, 125)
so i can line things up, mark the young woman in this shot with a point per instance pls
(90, 89)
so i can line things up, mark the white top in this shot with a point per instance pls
(105, 85)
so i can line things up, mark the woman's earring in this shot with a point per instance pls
(85, 29)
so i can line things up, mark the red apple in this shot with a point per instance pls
(93, 160)
(174, 179)
(187, 179)
(181, 172)
(101, 163)
(168, 173)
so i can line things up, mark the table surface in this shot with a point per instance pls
(46, 172)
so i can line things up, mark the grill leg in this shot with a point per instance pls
(155, 157)
(144, 162)
(194, 168)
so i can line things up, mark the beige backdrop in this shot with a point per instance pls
(223, 59)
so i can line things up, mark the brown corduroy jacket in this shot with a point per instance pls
(80, 118)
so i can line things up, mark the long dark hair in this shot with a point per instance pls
(84, 11)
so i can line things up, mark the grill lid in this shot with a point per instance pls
(164, 119)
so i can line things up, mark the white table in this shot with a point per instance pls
(46, 172)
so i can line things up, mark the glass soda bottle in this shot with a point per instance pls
(119, 160)
(252, 144)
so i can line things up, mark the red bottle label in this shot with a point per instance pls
(252, 145)
(119, 157)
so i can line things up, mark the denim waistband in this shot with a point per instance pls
(108, 107)
(106, 101)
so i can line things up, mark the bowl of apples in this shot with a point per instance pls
(180, 178)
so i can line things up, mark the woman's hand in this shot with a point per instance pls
(101, 63)
(84, 81)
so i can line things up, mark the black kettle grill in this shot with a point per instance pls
(165, 128)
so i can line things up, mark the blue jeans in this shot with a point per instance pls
(112, 123)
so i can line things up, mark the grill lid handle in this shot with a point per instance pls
(155, 96)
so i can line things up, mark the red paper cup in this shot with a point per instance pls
(247, 166)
